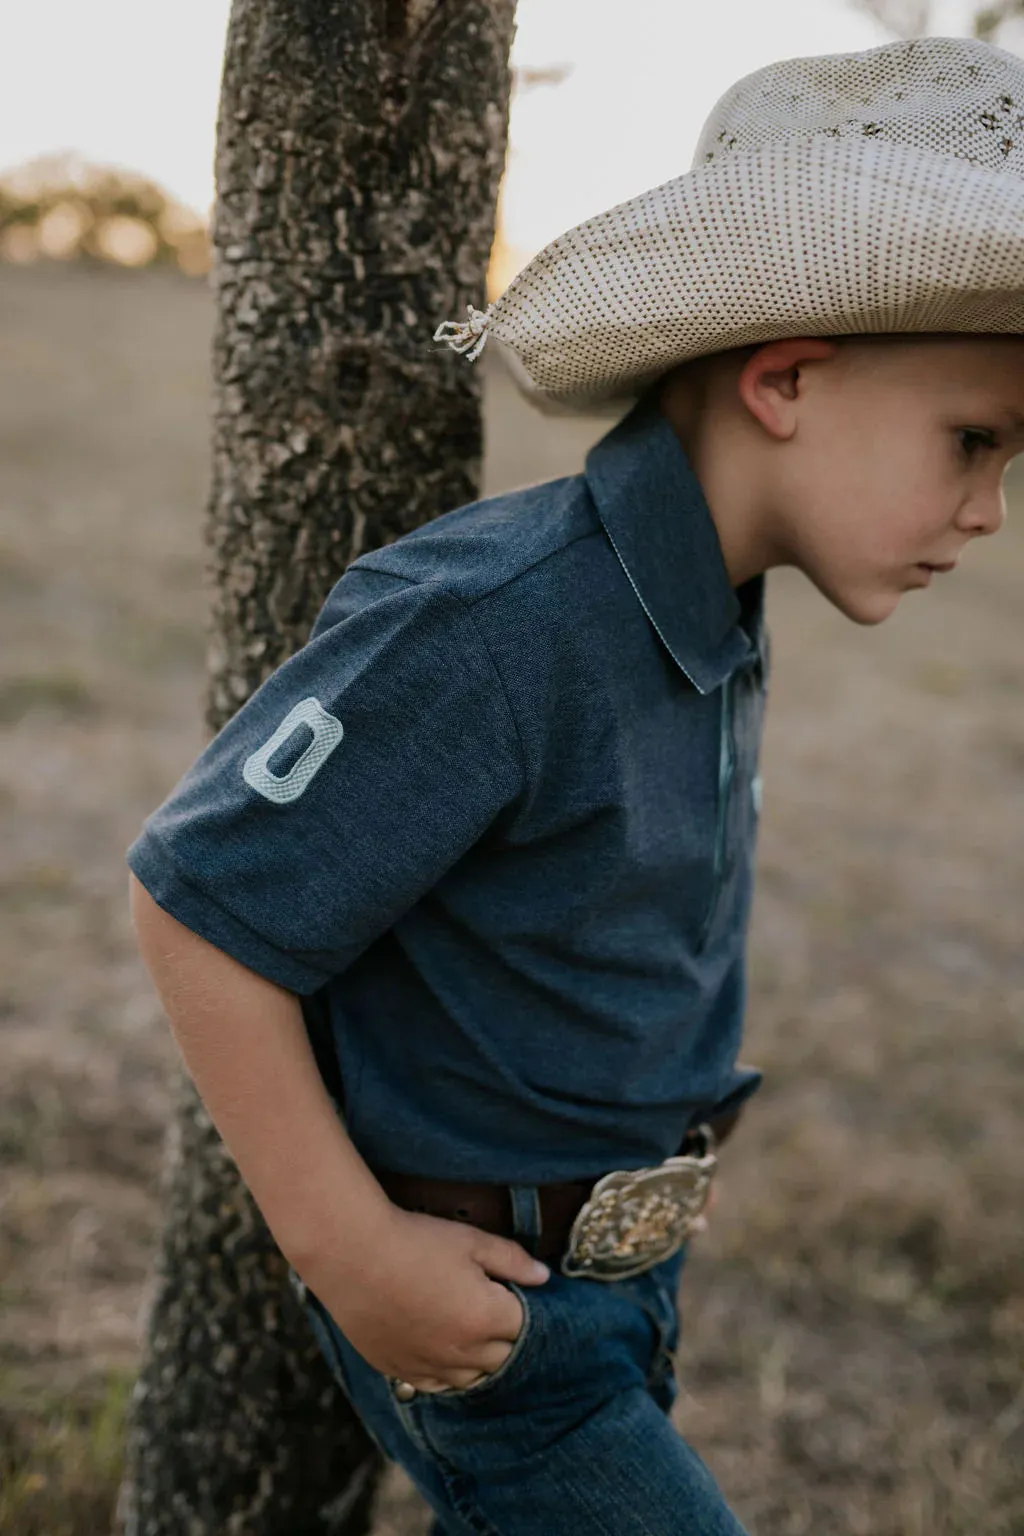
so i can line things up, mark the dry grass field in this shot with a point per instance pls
(854, 1320)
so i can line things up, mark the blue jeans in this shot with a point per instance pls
(571, 1436)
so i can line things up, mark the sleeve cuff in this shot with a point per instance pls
(156, 870)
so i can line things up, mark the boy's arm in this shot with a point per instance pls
(244, 1042)
(412, 1292)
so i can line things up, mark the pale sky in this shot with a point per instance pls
(136, 85)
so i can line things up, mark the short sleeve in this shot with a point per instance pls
(348, 784)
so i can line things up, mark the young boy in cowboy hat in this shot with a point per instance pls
(487, 840)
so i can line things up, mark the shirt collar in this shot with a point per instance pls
(655, 513)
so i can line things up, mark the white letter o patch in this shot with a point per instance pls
(327, 732)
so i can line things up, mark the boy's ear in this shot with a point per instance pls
(769, 384)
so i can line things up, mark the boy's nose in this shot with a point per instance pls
(984, 513)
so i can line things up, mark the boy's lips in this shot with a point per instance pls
(927, 568)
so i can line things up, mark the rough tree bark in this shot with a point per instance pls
(359, 151)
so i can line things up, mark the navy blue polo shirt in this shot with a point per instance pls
(499, 815)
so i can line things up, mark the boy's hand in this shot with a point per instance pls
(425, 1305)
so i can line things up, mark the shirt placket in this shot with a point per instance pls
(741, 712)
(726, 774)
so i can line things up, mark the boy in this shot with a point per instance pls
(497, 819)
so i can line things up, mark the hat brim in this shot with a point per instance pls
(811, 236)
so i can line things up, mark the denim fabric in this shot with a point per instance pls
(571, 1435)
(495, 823)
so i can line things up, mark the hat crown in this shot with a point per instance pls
(948, 95)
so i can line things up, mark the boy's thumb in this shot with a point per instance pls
(505, 1259)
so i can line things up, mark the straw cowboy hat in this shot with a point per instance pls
(842, 193)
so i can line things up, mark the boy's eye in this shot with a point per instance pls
(974, 438)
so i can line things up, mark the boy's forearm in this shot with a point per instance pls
(244, 1042)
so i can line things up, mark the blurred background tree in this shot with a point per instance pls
(917, 18)
(65, 208)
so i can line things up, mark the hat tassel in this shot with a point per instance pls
(466, 336)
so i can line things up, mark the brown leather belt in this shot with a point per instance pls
(489, 1206)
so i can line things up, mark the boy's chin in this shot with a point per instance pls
(864, 605)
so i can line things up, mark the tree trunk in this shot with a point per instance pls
(359, 152)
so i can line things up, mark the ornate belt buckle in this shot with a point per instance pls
(634, 1218)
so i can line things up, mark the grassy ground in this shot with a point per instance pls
(854, 1321)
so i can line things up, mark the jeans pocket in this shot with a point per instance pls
(509, 1367)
